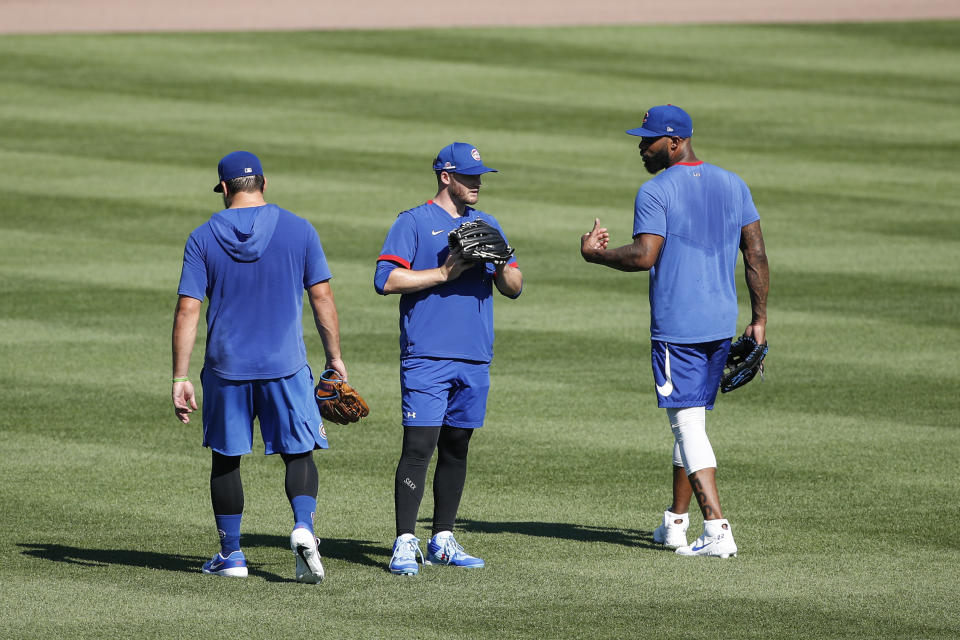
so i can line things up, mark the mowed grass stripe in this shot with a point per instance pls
(834, 470)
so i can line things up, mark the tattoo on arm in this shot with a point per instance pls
(756, 270)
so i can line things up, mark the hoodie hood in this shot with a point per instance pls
(245, 233)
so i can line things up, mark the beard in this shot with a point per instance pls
(462, 193)
(657, 161)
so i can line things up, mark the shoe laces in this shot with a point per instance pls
(450, 547)
(408, 550)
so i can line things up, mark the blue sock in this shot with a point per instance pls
(303, 510)
(228, 528)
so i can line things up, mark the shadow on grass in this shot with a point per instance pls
(565, 531)
(363, 552)
(355, 551)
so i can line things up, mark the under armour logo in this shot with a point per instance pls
(411, 414)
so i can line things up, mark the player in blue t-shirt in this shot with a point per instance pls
(690, 222)
(253, 261)
(446, 345)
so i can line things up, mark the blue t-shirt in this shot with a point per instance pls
(253, 264)
(453, 320)
(699, 210)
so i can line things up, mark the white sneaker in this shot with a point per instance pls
(304, 546)
(670, 534)
(716, 541)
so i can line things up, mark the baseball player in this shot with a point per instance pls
(689, 223)
(446, 345)
(252, 261)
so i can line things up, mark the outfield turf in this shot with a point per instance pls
(839, 472)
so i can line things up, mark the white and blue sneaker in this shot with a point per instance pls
(406, 548)
(716, 541)
(443, 548)
(233, 566)
(304, 546)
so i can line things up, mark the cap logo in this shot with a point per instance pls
(449, 165)
(645, 116)
(475, 154)
(247, 170)
(669, 129)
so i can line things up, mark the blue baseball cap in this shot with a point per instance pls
(665, 120)
(236, 165)
(460, 157)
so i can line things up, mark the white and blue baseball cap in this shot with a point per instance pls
(237, 165)
(460, 157)
(664, 120)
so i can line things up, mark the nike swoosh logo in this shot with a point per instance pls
(667, 387)
(436, 233)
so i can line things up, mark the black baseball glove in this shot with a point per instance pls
(478, 241)
(744, 361)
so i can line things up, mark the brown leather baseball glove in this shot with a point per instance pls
(338, 401)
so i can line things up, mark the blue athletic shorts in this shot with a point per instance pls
(444, 392)
(688, 375)
(289, 418)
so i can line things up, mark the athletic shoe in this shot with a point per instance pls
(670, 534)
(719, 545)
(304, 546)
(233, 566)
(444, 549)
(405, 551)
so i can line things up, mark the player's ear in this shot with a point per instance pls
(263, 189)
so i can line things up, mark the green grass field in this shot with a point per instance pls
(839, 472)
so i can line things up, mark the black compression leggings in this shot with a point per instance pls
(452, 444)
(226, 488)
(301, 477)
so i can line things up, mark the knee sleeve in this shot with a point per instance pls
(690, 439)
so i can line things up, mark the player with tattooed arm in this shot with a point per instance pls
(690, 222)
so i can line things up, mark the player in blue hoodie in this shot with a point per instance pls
(253, 261)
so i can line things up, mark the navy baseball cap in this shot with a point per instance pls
(665, 120)
(460, 157)
(236, 165)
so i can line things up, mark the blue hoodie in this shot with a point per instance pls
(245, 233)
(253, 265)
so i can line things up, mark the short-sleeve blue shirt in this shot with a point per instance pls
(453, 320)
(254, 318)
(699, 210)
